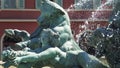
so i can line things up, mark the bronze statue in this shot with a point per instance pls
(51, 44)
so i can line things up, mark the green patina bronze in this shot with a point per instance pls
(51, 44)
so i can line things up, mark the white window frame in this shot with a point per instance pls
(18, 7)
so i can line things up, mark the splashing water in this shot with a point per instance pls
(108, 39)
(85, 26)
(93, 16)
(117, 13)
(101, 7)
(79, 3)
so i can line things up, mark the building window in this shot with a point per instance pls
(0, 3)
(60, 2)
(96, 3)
(12, 4)
(93, 4)
(83, 4)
